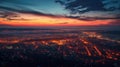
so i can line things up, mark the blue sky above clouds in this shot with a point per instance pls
(70, 8)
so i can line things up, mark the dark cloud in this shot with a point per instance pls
(10, 13)
(28, 7)
(23, 10)
(7, 14)
(18, 19)
(81, 6)
(84, 18)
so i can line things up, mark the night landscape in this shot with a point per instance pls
(59, 33)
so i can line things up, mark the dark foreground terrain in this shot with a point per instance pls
(59, 48)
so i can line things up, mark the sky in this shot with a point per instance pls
(59, 12)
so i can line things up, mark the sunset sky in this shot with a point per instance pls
(59, 12)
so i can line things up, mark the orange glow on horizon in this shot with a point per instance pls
(33, 20)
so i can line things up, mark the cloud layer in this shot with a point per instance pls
(83, 10)
(81, 6)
